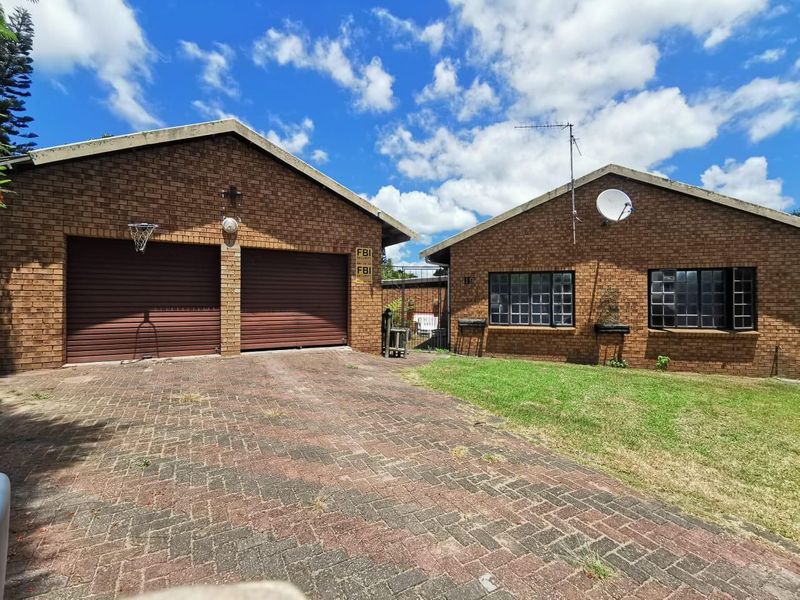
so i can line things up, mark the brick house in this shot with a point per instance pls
(302, 269)
(708, 280)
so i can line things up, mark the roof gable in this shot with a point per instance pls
(647, 178)
(393, 231)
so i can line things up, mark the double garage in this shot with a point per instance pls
(299, 269)
(165, 302)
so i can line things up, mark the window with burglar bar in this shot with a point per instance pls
(536, 299)
(703, 298)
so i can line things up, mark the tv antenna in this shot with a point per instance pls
(573, 142)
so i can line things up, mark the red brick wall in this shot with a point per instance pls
(431, 299)
(667, 230)
(176, 185)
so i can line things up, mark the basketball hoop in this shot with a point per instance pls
(140, 233)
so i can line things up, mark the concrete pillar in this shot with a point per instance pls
(231, 299)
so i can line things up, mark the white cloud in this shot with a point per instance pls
(465, 103)
(295, 137)
(568, 57)
(593, 61)
(766, 57)
(371, 84)
(433, 35)
(425, 213)
(103, 36)
(479, 97)
(216, 66)
(213, 110)
(762, 106)
(444, 84)
(319, 156)
(491, 169)
(747, 181)
(399, 254)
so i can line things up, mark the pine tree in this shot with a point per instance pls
(16, 66)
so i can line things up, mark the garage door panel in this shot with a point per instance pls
(122, 304)
(293, 299)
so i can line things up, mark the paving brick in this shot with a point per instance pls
(350, 493)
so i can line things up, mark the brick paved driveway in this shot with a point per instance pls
(327, 469)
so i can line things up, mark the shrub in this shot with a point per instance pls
(618, 363)
(662, 363)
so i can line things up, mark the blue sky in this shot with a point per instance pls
(413, 104)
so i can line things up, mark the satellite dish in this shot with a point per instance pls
(614, 205)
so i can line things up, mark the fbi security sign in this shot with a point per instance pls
(364, 265)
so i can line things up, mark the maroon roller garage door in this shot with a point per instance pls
(122, 304)
(293, 299)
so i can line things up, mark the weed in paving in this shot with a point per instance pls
(493, 458)
(459, 452)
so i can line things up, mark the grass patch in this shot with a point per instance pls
(722, 447)
(493, 458)
(596, 568)
(273, 413)
(459, 451)
(591, 563)
(319, 503)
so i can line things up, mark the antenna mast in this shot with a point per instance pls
(572, 142)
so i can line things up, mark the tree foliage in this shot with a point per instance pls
(388, 270)
(16, 66)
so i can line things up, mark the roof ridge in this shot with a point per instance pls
(622, 171)
(139, 139)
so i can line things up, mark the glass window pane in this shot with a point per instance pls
(712, 299)
(498, 298)
(744, 309)
(687, 307)
(662, 297)
(562, 298)
(540, 298)
(520, 299)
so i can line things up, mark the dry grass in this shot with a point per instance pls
(459, 452)
(273, 413)
(319, 503)
(493, 458)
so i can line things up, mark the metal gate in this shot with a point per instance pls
(418, 296)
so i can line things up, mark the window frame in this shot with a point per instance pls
(728, 276)
(551, 323)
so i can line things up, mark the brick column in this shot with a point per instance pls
(230, 299)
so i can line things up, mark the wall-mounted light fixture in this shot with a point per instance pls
(232, 194)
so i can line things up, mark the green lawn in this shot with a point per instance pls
(727, 448)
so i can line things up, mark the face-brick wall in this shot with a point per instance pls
(667, 230)
(431, 299)
(178, 186)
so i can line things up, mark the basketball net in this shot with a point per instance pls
(140, 233)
